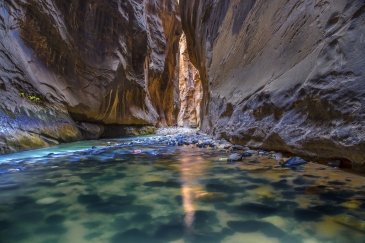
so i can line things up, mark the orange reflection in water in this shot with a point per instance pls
(192, 168)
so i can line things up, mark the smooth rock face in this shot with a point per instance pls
(103, 62)
(282, 75)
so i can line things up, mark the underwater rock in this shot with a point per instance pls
(47, 201)
(253, 226)
(328, 209)
(55, 219)
(234, 157)
(257, 209)
(247, 154)
(294, 162)
(307, 215)
(131, 236)
(170, 232)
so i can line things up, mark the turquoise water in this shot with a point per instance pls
(141, 190)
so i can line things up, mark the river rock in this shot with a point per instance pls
(294, 162)
(234, 157)
(236, 147)
(247, 154)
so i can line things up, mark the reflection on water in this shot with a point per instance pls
(191, 169)
(140, 190)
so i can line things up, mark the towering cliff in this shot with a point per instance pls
(284, 74)
(69, 67)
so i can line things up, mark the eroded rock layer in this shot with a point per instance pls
(283, 75)
(100, 62)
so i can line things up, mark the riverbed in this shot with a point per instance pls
(146, 190)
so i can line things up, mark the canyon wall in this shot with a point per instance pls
(190, 88)
(70, 67)
(282, 75)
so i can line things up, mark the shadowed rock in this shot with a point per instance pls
(72, 69)
(55, 219)
(298, 89)
(256, 226)
(294, 162)
(131, 236)
(234, 157)
(328, 209)
(257, 209)
(307, 215)
(170, 232)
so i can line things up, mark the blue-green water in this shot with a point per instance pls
(141, 190)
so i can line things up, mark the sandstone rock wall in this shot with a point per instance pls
(283, 74)
(102, 62)
(190, 87)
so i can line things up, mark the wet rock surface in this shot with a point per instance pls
(234, 157)
(67, 64)
(282, 75)
(294, 162)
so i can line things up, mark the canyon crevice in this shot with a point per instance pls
(284, 75)
(190, 87)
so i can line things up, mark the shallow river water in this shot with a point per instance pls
(141, 190)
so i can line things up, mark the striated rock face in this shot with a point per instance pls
(190, 88)
(285, 74)
(68, 63)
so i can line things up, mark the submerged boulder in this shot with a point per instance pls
(294, 162)
(234, 157)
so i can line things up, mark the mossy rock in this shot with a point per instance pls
(27, 141)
